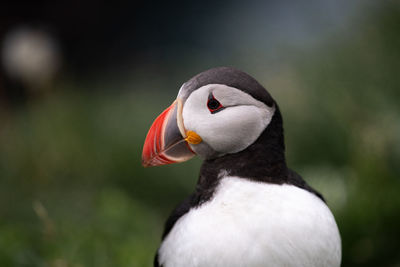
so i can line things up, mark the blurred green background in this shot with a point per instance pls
(81, 82)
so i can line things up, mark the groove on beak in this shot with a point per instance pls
(165, 142)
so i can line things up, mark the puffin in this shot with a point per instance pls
(248, 208)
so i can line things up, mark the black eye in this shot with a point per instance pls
(213, 104)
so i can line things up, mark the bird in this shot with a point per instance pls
(248, 207)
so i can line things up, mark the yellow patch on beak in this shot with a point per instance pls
(193, 138)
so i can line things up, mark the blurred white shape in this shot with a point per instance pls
(31, 56)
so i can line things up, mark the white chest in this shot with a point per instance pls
(254, 224)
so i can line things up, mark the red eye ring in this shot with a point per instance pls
(213, 104)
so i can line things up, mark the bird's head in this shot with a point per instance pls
(218, 112)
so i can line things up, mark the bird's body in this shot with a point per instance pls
(248, 223)
(248, 209)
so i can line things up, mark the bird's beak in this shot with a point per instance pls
(167, 140)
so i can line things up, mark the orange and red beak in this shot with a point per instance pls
(167, 140)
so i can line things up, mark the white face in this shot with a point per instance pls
(231, 129)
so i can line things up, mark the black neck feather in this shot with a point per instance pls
(263, 161)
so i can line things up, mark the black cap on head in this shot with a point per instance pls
(230, 77)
